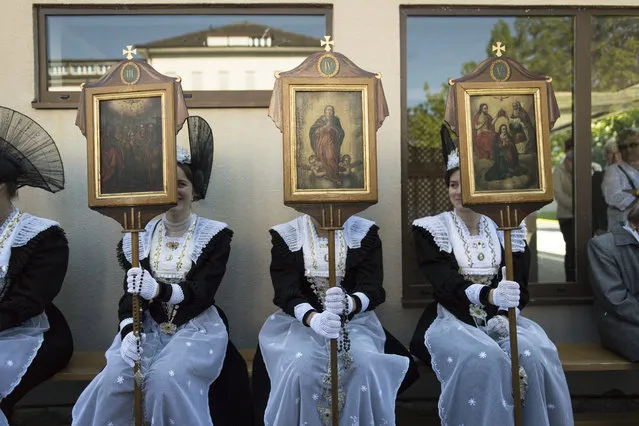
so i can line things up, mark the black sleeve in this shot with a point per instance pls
(287, 275)
(203, 280)
(370, 271)
(442, 271)
(39, 278)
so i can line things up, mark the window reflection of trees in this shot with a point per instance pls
(544, 45)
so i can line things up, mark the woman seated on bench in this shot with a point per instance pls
(184, 340)
(35, 340)
(294, 341)
(465, 333)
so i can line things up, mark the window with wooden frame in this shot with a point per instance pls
(225, 55)
(591, 54)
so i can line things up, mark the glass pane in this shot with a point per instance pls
(615, 116)
(544, 45)
(209, 52)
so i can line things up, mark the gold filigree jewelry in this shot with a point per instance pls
(314, 242)
(484, 233)
(168, 327)
(10, 225)
(172, 245)
(158, 249)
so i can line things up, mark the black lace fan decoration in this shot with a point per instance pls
(30, 151)
(201, 144)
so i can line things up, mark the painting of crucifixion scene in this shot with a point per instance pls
(329, 145)
(130, 136)
(504, 142)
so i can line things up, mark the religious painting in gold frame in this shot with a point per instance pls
(131, 151)
(504, 142)
(329, 140)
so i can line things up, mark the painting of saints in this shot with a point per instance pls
(326, 136)
(506, 157)
(130, 147)
(111, 160)
(483, 133)
(523, 129)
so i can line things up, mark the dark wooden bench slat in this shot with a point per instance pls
(84, 366)
(574, 357)
(592, 357)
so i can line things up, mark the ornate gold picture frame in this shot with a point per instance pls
(504, 142)
(329, 140)
(131, 152)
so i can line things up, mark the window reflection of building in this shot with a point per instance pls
(241, 56)
(70, 74)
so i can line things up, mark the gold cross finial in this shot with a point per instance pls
(499, 48)
(129, 52)
(327, 43)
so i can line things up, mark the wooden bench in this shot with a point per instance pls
(84, 366)
(592, 357)
(580, 357)
(574, 357)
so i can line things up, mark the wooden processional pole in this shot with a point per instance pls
(329, 226)
(134, 226)
(507, 227)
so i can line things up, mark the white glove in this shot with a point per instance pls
(334, 301)
(497, 327)
(129, 348)
(140, 281)
(506, 295)
(326, 324)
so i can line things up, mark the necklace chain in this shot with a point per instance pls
(483, 232)
(9, 225)
(159, 247)
(314, 242)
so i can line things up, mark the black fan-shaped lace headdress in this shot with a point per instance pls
(201, 144)
(28, 154)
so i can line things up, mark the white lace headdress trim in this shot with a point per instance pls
(205, 230)
(453, 160)
(183, 156)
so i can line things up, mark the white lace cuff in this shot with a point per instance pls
(301, 310)
(177, 295)
(472, 293)
(125, 322)
(364, 299)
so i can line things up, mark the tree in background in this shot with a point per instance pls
(544, 45)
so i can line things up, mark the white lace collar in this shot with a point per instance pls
(297, 235)
(205, 230)
(436, 226)
(315, 251)
(24, 228)
(477, 255)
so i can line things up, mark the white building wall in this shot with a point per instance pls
(226, 73)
